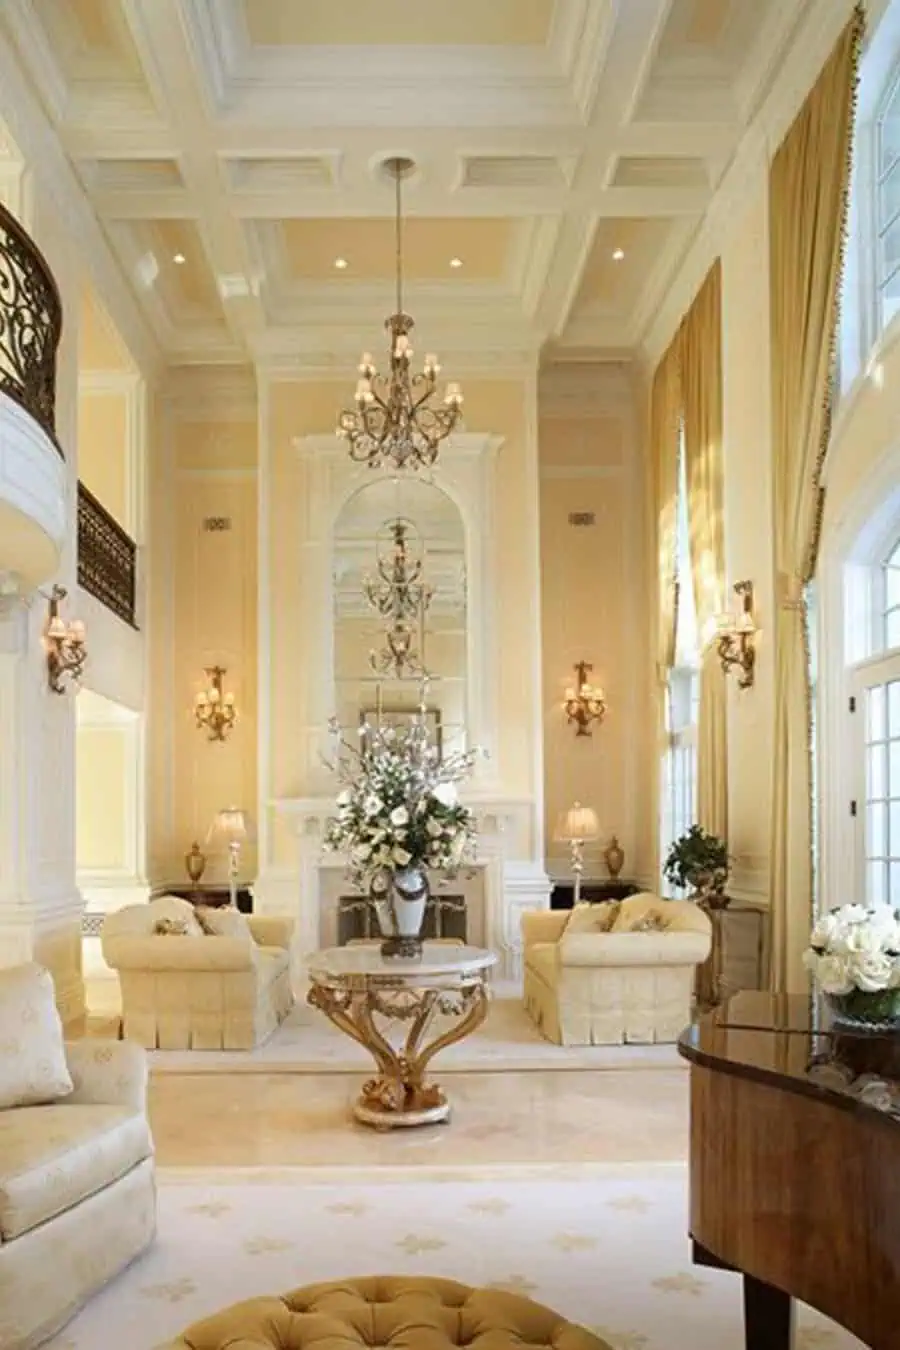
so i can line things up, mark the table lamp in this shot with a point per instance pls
(575, 827)
(233, 827)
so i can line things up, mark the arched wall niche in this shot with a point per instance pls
(510, 875)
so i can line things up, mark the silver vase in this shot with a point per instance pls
(399, 899)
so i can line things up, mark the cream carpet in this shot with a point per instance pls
(604, 1246)
(308, 1043)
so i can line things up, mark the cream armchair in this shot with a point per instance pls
(605, 974)
(189, 990)
(77, 1193)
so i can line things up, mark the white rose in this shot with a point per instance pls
(399, 816)
(871, 972)
(446, 794)
(401, 857)
(372, 805)
(433, 828)
(362, 853)
(833, 974)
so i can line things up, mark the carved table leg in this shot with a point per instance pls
(399, 1095)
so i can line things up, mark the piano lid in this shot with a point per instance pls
(791, 1039)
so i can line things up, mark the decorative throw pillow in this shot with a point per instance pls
(174, 907)
(588, 918)
(223, 921)
(33, 1067)
(647, 923)
(171, 927)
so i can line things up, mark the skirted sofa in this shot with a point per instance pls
(220, 984)
(77, 1192)
(609, 973)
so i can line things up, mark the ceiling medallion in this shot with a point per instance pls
(395, 421)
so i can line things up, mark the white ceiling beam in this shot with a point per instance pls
(160, 37)
(372, 201)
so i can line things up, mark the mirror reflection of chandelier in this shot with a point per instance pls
(395, 420)
(399, 595)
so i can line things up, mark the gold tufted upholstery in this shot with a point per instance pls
(388, 1311)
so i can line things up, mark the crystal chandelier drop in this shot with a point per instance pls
(395, 420)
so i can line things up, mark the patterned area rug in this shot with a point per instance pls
(605, 1246)
(308, 1043)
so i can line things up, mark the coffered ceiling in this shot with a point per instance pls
(566, 152)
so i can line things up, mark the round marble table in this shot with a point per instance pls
(363, 994)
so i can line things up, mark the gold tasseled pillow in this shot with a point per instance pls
(171, 927)
(588, 918)
(647, 923)
(223, 921)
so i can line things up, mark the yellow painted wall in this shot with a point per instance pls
(203, 606)
(593, 587)
(103, 451)
(102, 762)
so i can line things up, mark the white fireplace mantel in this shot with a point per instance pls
(508, 883)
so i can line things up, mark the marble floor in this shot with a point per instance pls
(509, 1119)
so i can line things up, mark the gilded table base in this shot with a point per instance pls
(399, 1096)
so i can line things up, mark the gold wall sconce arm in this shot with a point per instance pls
(585, 702)
(65, 646)
(736, 642)
(214, 709)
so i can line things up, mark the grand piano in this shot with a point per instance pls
(795, 1165)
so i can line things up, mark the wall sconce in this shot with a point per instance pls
(737, 633)
(586, 703)
(214, 710)
(65, 646)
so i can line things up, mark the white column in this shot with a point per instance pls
(40, 906)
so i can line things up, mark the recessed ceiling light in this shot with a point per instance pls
(340, 263)
(456, 262)
(178, 259)
(618, 254)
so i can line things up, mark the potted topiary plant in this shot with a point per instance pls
(699, 860)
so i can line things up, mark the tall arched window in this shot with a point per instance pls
(887, 204)
(679, 766)
(874, 706)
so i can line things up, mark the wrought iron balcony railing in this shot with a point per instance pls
(30, 324)
(107, 557)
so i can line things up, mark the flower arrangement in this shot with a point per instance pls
(854, 956)
(700, 860)
(398, 807)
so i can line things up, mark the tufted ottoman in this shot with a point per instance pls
(415, 1313)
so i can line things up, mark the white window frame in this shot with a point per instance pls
(889, 104)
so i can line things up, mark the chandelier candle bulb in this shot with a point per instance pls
(394, 421)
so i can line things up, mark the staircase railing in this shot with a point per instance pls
(30, 324)
(107, 557)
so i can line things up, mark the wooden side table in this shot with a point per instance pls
(213, 895)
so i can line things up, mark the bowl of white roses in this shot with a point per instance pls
(854, 958)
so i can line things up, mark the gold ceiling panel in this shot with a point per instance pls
(190, 284)
(367, 245)
(617, 284)
(297, 23)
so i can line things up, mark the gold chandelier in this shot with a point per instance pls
(395, 420)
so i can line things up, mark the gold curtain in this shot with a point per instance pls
(700, 338)
(808, 189)
(665, 416)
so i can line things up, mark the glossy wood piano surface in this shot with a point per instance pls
(795, 1165)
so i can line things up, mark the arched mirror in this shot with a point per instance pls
(399, 574)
